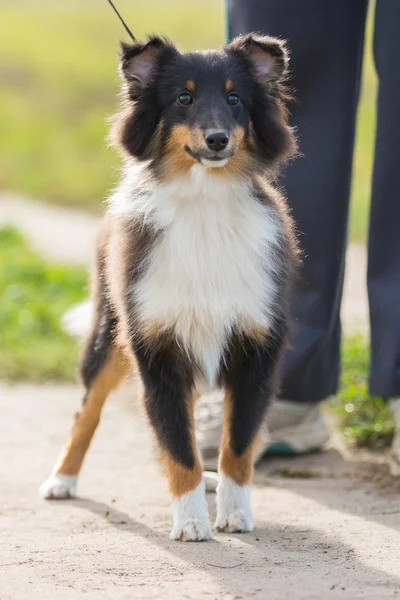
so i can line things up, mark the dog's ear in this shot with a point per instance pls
(139, 62)
(134, 128)
(267, 57)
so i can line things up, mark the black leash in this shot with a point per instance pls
(122, 21)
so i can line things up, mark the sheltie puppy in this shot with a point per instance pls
(194, 264)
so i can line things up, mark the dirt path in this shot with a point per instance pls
(66, 234)
(63, 234)
(330, 532)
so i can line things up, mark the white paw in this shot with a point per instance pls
(238, 521)
(193, 530)
(191, 523)
(58, 487)
(234, 513)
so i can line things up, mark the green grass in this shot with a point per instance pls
(34, 295)
(58, 73)
(365, 420)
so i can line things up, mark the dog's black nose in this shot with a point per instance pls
(217, 140)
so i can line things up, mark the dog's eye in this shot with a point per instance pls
(233, 99)
(185, 98)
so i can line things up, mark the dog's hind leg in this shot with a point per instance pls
(103, 367)
(250, 379)
(169, 402)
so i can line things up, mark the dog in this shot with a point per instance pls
(194, 266)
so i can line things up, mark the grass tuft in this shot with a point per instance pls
(364, 419)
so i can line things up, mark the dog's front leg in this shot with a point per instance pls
(169, 401)
(250, 377)
(234, 513)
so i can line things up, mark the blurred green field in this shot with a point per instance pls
(34, 296)
(59, 83)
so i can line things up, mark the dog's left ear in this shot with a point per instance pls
(267, 56)
(266, 59)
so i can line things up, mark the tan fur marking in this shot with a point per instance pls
(176, 160)
(151, 329)
(257, 333)
(190, 85)
(180, 479)
(238, 132)
(239, 163)
(254, 330)
(154, 329)
(87, 420)
(228, 85)
(180, 135)
(197, 136)
(158, 134)
(238, 468)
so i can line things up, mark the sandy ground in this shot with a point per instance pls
(328, 525)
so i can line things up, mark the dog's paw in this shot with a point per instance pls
(192, 530)
(234, 514)
(59, 487)
(191, 523)
(238, 521)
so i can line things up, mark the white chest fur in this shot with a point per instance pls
(212, 267)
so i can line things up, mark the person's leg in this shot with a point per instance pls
(325, 40)
(384, 236)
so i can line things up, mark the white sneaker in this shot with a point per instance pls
(290, 428)
(394, 404)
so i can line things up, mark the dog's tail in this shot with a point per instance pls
(76, 321)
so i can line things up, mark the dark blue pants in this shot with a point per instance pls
(326, 40)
